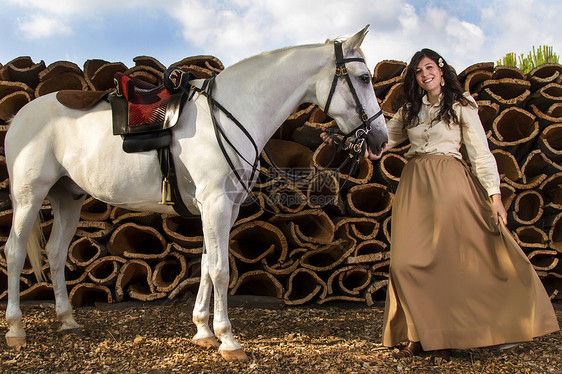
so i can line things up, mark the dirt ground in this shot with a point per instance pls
(155, 338)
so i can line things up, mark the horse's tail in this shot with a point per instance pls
(34, 245)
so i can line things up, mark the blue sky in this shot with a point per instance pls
(463, 31)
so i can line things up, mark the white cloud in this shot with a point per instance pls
(408, 18)
(40, 26)
(221, 29)
(429, 27)
(464, 40)
(243, 28)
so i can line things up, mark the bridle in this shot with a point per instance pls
(356, 146)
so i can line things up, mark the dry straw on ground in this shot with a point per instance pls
(332, 338)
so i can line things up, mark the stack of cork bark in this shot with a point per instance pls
(310, 231)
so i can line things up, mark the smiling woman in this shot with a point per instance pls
(454, 266)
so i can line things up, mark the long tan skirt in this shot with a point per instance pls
(457, 280)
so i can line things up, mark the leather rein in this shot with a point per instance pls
(356, 147)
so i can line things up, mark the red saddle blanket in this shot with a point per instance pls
(140, 107)
(146, 103)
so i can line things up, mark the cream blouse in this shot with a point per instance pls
(439, 138)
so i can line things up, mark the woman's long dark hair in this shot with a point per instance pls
(413, 94)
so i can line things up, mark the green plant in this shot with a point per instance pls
(539, 56)
(509, 59)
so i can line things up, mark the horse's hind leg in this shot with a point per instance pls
(25, 212)
(66, 205)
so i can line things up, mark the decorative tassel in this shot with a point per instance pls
(166, 193)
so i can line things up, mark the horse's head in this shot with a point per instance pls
(345, 93)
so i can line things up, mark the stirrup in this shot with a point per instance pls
(166, 193)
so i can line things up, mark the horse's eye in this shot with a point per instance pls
(365, 78)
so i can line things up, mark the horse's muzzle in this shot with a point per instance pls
(376, 140)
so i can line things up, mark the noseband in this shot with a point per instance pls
(361, 131)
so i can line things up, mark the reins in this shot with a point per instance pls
(356, 147)
(219, 133)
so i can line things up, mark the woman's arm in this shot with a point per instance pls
(482, 161)
(396, 135)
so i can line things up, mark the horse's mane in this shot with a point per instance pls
(284, 49)
(276, 51)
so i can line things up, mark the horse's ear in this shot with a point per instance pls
(355, 41)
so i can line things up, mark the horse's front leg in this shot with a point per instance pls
(217, 216)
(204, 337)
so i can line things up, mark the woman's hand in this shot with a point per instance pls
(368, 154)
(498, 210)
(326, 138)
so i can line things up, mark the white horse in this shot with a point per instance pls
(64, 154)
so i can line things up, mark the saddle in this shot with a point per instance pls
(144, 113)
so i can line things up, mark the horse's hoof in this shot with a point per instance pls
(236, 355)
(209, 342)
(15, 342)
